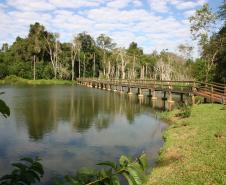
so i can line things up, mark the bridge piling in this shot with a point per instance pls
(121, 89)
(149, 93)
(170, 101)
(140, 94)
(213, 92)
(129, 92)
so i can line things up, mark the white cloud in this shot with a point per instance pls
(189, 13)
(158, 5)
(185, 5)
(162, 6)
(75, 4)
(31, 5)
(118, 3)
(123, 20)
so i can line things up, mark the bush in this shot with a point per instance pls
(184, 111)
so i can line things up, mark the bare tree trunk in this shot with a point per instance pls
(94, 65)
(34, 72)
(79, 66)
(109, 69)
(142, 72)
(104, 68)
(73, 70)
(133, 75)
(84, 66)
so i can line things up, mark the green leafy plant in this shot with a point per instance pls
(184, 112)
(26, 172)
(4, 109)
(132, 170)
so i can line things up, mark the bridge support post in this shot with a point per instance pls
(121, 89)
(170, 101)
(164, 98)
(115, 88)
(104, 86)
(182, 98)
(129, 91)
(153, 98)
(193, 99)
(99, 86)
(140, 94)
(95, 85)
(150, 93)
(108, 87)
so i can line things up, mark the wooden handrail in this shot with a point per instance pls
(213, 90)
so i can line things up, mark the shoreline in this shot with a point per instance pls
(14, 80)
(194, 148)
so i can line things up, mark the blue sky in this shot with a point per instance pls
(153, 24)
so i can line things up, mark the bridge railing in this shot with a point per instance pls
(214, 91)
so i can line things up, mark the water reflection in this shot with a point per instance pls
(42, 110)
(72, 127)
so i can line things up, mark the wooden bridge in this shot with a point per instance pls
(212, 92)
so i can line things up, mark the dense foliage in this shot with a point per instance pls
(209, 30)
(29, 171)
(4, 109)
(26, 172)
(41, 55)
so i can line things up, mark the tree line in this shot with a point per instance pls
(41, 55)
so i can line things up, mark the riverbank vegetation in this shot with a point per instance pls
(14, 80)
(41, 55)
(194, 149)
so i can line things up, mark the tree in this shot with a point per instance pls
(87, 50)
(185, 50)
(35, 39)
(5, 47)
(53, 47)
(202, 30)
(73, 57)
(106, 44)
(135, 53)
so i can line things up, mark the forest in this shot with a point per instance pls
(41, 55)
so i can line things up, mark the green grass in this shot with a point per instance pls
(195, 148)
(21, 81)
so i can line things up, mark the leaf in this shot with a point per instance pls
(129, 179)
(143, 161)
(35, 175)
(28, 159)
(134, 173)
(20, 166)
(123, 161)
(5, 177)
(114, 180)
(37, 167)
(4, 109)
(71, 179)
(108, 163)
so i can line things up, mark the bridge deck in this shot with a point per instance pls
(213, 91)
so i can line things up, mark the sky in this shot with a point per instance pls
(153, 24)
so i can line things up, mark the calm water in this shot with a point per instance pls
(70, 127)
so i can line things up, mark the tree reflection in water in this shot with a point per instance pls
(44, 109)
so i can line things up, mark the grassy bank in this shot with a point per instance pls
(195, 148)
(22, 81)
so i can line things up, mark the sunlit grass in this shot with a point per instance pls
(195, 148)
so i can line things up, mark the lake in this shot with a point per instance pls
(70, 127)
